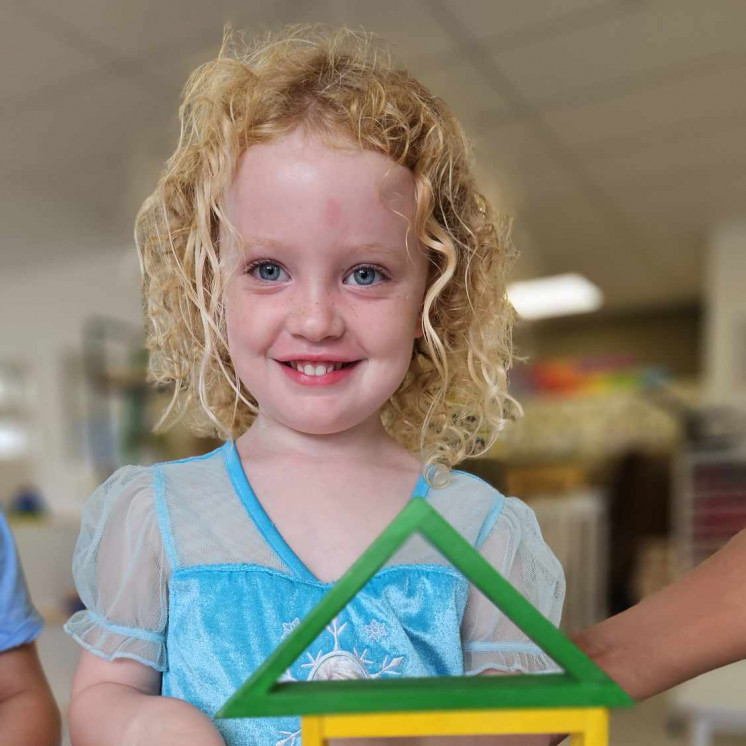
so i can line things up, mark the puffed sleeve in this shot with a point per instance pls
(121, 572)
(514, 546)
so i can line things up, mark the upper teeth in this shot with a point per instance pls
(315, 369)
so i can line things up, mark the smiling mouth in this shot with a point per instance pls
(316, 368)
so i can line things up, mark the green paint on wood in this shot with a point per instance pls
(583, 683)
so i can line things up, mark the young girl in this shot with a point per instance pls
(324, 286)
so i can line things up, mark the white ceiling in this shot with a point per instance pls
(612, 130)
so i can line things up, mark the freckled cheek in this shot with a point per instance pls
(392, 329)
(248, 327)
(407, 311)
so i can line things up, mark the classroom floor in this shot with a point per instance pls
(649, 724)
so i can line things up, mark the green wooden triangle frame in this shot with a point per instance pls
(583, 683)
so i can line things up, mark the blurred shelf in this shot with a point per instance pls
(710, 501)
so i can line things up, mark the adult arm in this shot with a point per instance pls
(28, 713)
(694, 625)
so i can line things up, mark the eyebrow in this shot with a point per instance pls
(381, 248)
(247, 241)
(271, 243)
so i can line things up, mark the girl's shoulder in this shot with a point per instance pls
(477, 508)
(466, 502)
(479, 512)
(151, 478)
(134, 490)
(123, 501)
(197, 485)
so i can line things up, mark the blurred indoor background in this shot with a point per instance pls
(612, 131)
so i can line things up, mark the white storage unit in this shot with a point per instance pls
(575, 527)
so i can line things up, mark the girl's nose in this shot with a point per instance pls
(316, 315)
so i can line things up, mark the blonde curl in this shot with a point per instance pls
(453, 401)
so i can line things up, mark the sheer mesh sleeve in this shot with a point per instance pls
(121, 572)
(513, 546)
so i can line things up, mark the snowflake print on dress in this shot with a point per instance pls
(291, 739)
(340, 664)
(374, 631)
(288, 627)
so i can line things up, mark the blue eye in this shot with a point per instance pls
(268, 271)
(365, 275)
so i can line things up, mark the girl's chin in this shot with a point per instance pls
(322, 421)
(317, 428)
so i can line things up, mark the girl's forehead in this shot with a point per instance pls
(302, 169)
(299, 195)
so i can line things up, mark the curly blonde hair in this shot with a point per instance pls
(453, 401)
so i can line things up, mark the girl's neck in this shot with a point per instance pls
(268, 438)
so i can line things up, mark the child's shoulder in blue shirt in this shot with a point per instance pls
(20, 623)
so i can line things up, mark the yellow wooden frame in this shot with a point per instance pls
(587, 726)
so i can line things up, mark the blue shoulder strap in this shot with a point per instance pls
(164, 520)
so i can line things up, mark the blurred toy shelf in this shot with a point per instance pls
(586, 428)
(582, 457)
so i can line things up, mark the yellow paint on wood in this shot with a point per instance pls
(312, 730)
(588, 725)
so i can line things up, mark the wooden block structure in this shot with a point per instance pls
(574, 702)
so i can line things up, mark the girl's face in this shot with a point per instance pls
(323, 278)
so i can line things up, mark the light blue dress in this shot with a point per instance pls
(181, 568)
(20, 622)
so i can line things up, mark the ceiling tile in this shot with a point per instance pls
(701, 101)
(408, 32)
(575, 66)
(638, 101)
(490, 18)
(467, 95)
(684, 157)
(135, 27)
(71, 163)
(513, 149)
(172, 70)
(406, 26)
(104, 117)
(142, 26)
(686, 204)
(34, 61)
(37, 221)
(649, 270)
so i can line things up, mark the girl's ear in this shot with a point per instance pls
(420, 331)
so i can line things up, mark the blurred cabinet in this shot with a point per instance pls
(575, 527)
(574, 519)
